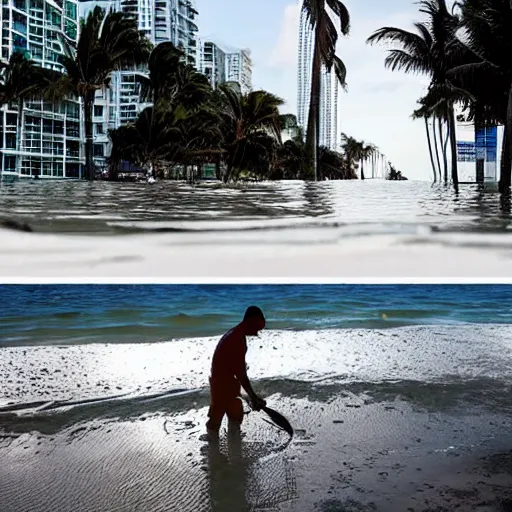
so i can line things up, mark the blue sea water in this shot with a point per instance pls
(74, 314)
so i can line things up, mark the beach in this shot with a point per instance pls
(405, 418)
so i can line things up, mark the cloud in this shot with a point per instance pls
(284, 54)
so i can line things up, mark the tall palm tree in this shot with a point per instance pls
(247, 121)
(432, 50)
(108, 42)
(21, 79)
(324, 55)
(425, 114)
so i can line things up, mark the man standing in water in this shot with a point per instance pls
(229, 372)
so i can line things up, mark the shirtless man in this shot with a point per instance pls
(229, 372)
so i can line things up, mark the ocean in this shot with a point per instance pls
(76, 314)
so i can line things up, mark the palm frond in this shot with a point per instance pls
(341, 11)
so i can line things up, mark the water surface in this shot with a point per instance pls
(354, 207)
(72, 314)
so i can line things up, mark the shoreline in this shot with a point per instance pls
(340, 356)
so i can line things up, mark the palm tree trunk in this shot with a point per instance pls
(443, 149)
(445, 153)
(506, 160)
(453, 143)
(89, 157)
(479, 162)
(362, 169)
(436, 148)
(430, 149)
(314, 114)
(506, 169)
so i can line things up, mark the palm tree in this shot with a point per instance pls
(488, 77)
(324, 55)
(249, 121)
(20, 79)
(178, 92)
(432, 50)
(170, 79)
(425, 114)
(352, 149)
(108, 42)
(367, 152)
(333, 165)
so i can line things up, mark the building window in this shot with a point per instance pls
(72, 129)
(10, 140)
(58, 169)
(10, 163)
(70, 10)
(98, 110)
(58, 148)
(47, 168)
(99, 129)
(73, 149)
(10, 121)
(58, 127)
(98, 150)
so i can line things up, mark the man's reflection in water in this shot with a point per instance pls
(247, 475)
(228, 474)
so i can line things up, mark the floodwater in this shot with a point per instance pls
(354, 207)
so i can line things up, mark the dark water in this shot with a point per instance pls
(358, 207)
(143, 313)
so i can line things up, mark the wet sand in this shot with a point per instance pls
(351, 452)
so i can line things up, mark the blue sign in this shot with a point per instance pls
(466, 151)
(486, 143)
(491, 143)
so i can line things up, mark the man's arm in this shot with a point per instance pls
(242, 377)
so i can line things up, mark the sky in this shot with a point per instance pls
(378, 104)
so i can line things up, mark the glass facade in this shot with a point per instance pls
(329, 90)
(48, 143)
(222, 64)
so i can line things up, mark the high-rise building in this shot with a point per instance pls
(221, 63)
(161, 21)
(239, 69)
(329, 89)
(212, 62)
(46, 141)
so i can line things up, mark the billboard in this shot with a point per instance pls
(466, 151)
(483, 150)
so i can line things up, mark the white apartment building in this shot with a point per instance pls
(49, 143)
(221, 63)
(161, 20)
(329, 91)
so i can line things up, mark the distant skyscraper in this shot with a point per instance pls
(212, 62)
(221, 63)
(161, 21)
(328, 135)
(49, 142)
